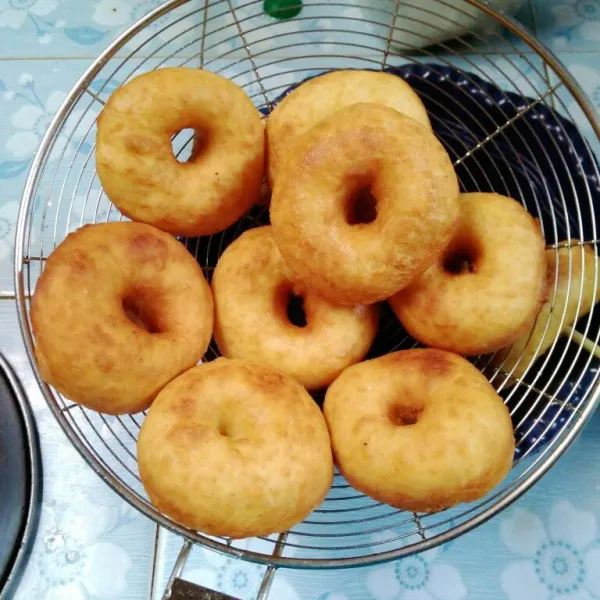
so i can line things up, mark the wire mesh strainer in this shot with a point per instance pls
(508, 139)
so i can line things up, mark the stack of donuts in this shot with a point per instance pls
(365, 208)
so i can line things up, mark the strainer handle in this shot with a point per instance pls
(184, 590)
(179, 589)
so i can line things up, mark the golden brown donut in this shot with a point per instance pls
(571, 276)
(236, 449)
(320, 97)
(421, 430)
(320, 205)
(139, 171)
(486, 289)
(252, 291)
(119, 311)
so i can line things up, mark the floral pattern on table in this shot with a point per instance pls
(120, 13)
(568, 24)
(76, 540)
(560, 558)
(17, 14)
(419, 577)
(30, 113)
(73, 28)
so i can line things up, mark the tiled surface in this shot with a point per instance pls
(568, 25)
(90, 543)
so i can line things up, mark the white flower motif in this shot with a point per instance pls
(241, 580)
(112, 13)
(418, 577)
(72, 562)
(32, 120)
(115, 13)
(14, 13)
(559, 562)
(8, 220)
(25, 79)
(580, 15)
(237, 578)
(9, 95)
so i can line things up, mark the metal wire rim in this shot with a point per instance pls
(572, 425)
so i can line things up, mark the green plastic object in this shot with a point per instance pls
(282, 9)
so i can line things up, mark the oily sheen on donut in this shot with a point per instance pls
(235, 448)
(320, 97)
(321, 203)
(119, 311)
(142, 176)
(254, 297)
(485, 290)
(421, 430)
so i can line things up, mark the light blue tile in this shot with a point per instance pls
(31, 93)
(568, 25)
(75, 29)
(89, 543)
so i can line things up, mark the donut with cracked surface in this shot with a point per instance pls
(421, 430)
(485, 290)
(142, 176)
(367, 202)
(261, 315)
(322, 96)
(234, 448)
(119, 310)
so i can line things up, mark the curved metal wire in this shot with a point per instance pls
(264, 57)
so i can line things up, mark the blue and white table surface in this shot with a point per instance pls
(92, 545)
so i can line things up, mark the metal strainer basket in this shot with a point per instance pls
(495, 97)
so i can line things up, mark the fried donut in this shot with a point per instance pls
(571, 276)
(320, 97)
(421, 430)
(142, 176)
(254, 297)
(235, 449)
(119, 311)
(324, 223)
(486, 289)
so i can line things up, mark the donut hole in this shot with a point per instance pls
(295, 310)
(402, 415)
(224, 429)
(461, 259)
(187, 144)
(361, 207)
(142, 311)
(290, 305)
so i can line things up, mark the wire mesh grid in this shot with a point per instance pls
(508, 139)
